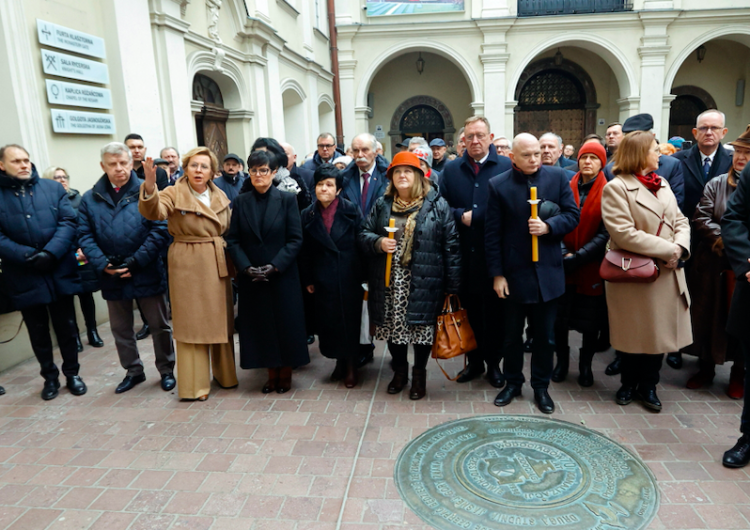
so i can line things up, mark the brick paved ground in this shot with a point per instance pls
(318, 458)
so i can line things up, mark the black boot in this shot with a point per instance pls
(739, 455)
(79, 344)
(563, 363)
(2, 391)
(674, 359)
(418, 383)
(615, 367)
(585, 375)
(400, 378)
(143, 333)
(650, 400)
(471, 372)
(94, 339)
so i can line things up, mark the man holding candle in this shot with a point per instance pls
(530, 288)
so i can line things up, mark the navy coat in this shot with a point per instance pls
(351, 191)
(271, 318)
(669, 169)
(306, 176)
(692, 170)
(508, 239)
(35, 214)
(465, 191)
(332, 263)
(110, 233)
(735, 231)
(315, 162)
(230, 185)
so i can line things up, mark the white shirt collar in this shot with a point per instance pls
(371, 170)
(204, 197)
(483, 160)
(711, 156)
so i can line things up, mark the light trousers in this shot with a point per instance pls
(194, 368)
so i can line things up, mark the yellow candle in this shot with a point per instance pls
(389, 259)
(534, 215)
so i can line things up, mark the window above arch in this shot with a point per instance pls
(206, 90)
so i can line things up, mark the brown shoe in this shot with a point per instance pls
(273, 381)
(285, 380)
(418, 383)
(351, 380)
(400, 378)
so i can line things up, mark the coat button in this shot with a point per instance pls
(476, 184)
(197, 213)
(28, 216)
(475, 206)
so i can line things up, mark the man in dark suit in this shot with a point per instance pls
(735, 231)
(306, 175)
(552, 149)
(463, 183)
(365, 180)
(705, 160)
(531, 289)
(614, 136)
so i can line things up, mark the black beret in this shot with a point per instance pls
(328, 171)
(639, 122)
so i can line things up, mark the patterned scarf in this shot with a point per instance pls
(412, 208)
(652, 181)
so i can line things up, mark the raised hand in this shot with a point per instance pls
(149, 172)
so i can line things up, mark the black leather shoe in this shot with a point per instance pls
(650, 399)
(2, 391)
(674, 360)
(79, 344)
(527, 345)
(50, 390)
(143, 333)
(495, 376)
(507, 394)
(76, 385)
(624, 396)
(339, 372)
(129, 382)
(471, 372)
(94, 339)
(739, 455)
(168, 381)
(310, 339)
(543, 401)
(615, 367)
(560, 371)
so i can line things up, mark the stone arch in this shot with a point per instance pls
(226, 74)
(697, 92)
(448, 128)
(739, 34)
(408, 46)
(606, 49)
(292, 84)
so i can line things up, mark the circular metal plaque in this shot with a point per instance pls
(501, 472)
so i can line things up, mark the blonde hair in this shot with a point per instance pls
(49, 173)
(632, 153)
(197, 151)
(419, 188)
(474, 119)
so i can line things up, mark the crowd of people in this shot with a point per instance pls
(299, 248)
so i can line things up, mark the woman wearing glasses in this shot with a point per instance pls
(264, 239)
(89, 280)
(198, 214)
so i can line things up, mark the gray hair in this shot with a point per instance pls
(368, 138)
(161, 153)
(378, 145)
(116, 148)
(712, 111)
(552, 135)
(419, 141)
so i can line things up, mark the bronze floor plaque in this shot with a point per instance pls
(501, 472)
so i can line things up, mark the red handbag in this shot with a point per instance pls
(621, 266)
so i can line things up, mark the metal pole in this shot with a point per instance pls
(335, 69)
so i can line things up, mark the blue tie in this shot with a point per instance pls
(706, 167)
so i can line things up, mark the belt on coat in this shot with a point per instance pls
(219, 244)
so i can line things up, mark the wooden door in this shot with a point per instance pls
(212, 130)
(568, 123)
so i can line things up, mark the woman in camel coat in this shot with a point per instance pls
(646, 319)
(198, 215)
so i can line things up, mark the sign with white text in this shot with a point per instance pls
(79, 122)
(77, 95)
(70, 66)
(69, 39)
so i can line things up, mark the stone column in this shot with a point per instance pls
(347, 65)
(628, 107)
(494, 59)
(313, 114)
(666, 106)
(275, 101)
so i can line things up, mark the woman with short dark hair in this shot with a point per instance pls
(646, 320)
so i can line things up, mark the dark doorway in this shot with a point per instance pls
(211, 122)
(424, 121)
(685, 108)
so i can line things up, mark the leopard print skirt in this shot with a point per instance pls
(395, 329)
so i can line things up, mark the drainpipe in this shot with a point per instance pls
(332, 37)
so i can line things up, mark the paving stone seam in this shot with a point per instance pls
(340, 519)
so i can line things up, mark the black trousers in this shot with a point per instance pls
(399, 351)
(485, 311)
(745, 421)
(88, 308)
(542, 319)
(37, 320)
(640, 369)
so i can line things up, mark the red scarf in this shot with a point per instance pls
(652, 181)
(586, 278)
(328, 213)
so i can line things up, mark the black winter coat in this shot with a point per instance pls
(436, 259)
(333, 265)
(230, 185)
(271, 317)
(35, 214)
(110, 233)
(466, 191)
(316, 161)
(86, 272)
(735, 231)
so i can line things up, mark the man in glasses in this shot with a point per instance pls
(706, 159)
(326, 152)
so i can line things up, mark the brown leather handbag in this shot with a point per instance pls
(453, 336)
(621, 266)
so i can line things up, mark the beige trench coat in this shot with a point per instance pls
(648, 317)
(200, 289)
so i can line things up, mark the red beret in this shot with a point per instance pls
(595, 148)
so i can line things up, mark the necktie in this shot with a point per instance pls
(706, 167)
(117, 190)
(365, 187)
(475, 166)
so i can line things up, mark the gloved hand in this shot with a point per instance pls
(42, 261)
(570, 263)
(266, 271)
(255, 274)
(131, 264)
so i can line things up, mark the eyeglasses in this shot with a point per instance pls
(262, 171)
(325, 146)
(60, 177)
(712, 129)
(479, 137)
